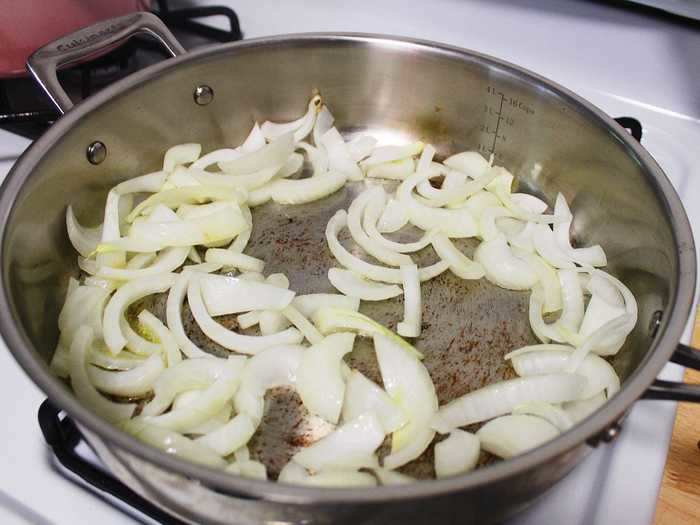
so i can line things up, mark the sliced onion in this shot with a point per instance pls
(371, 246)
(524, 239)
(460, 264)
(598, 312)
(371, 271)
(167, 261)
(353, 285)
(409, 385)
(572, 301)
(592, 255)
(487, 222)
(231, 436)
(248, 469)
(330, 319)
(477, 203)
(553, 414)
(501, 187)
(270, 368)
(301, 191)
(529, 202)
(500, 398)
(149, 183)
(319, 380)
(396, 170)
(580, 410)
(249, 319)
(363, 395)
(275, 153)
(233, 259)
(209, 403)
(318, 157)
(180, 154)
(122, 298)
(132, 383)
(503, 268)
(135, 342)
(101, 357)
(83, 388)
(229, 295)
(303, 324)
(536, 348)
(249, 181)
(392, 153)
(393, 218)
(410, 326)
(545, 332)
(215, 422)
(471, 163)
(83, 306)
(391, 477)
(173, 311)
(84, 240)
(241, 241)
(151, 323)
(547, 277)
(301, 127)
(508, 436)
(339, 158)
(111, 232)
(216, 156)
(293, 472)
(457, 454)
(309, 304)
(324, 122)
(351, 445)
(361, 147)
(340, 478)
(245, 344)
(548, 248)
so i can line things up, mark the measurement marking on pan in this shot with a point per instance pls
(502, 110)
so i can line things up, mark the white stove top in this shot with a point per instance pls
(627, 63)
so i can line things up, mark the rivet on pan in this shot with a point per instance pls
(655, 322)
(203, 95)
(610, 433)
(96, 152)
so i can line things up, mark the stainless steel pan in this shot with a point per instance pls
(397, 89)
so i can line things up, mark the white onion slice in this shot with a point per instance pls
(529, 202)
(363, 395)
(210, 401)
(231, 436)
(457, 454)
(408, 384)
(339, 478)
(301, 191)
(548, 279)
(472, 163)
(293, 472)
(84, 240)
(410, 326)
(153, 325)
(580, 410)
(216, 156)
(592, 255)
(393, 218)
(166, 261)
(249, 181)
(304, 326)
(524, 239)
(191, 374)
(309, 304)
(553, 414)
(330, 319)
(545, 332)
(536, 348)
(396, 170)
(508, 436)
(84, 305)
(353, 285)
(392, 153)
(245, 344)
(349, 446)
(301, 127)
(140, 260)
(391, 477)
(500, 398)
(324, 122)
(487, 222)
(111, 232)
(248, 469)
(104, 359)
(477, 203)
(241, 241)
(131, 383)
(339, 158)
(371, 271)
(502, 267)
(548, 248)
(275, 153)
(180, 154)
(149, 183)
(501, 187)
(319, 380)
(373, 210)
(598, 312)
(461, 265)
(135, 342)
(270, 368)
(174, 316)
(572, 301)
(122, 298)
(83, 388)
(361, 147)
(253, 142)
(228, 295)
(238, 260)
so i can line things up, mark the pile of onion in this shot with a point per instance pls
(183, 230)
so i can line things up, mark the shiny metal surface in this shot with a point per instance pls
(397, 90)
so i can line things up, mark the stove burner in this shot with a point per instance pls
(26, 110)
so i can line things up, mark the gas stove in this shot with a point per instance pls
(629, 62)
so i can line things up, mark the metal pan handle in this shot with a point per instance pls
(671, 390)
(90, 41)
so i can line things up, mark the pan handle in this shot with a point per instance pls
(90, 41)
(671, 390)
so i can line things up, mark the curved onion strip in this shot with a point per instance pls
(83, 306)
(253, 142)
(132, 383)
(501, 187)
(191, 374)
(349, 446)
(83, 388)
(500, 398)
(339, 156)
(167, 261)
(135, 342)
(410, 326)
(580, 410)
(84, 240)
(396, 170)
(275, 153)
(293, 472)
(353, 285)
(294, 164)
(319, 380)
(509, 436)
(231, 436)
(124, 361)
(445, 193)
(373, 209)
(461, 265)
(548, 279)
(318, 158)
(172, 443)
(536, 348)
(216, 156)
(477, 203)
(572, 301)
(453, 196)
(140, 260)
(392, 153)
(215, 422)
(545, 332)
(301, 127)
(324, 122)
(472, 163)
(592, 255)
(487, 222)
(330, 319)
(611, 335)
(210, 401)
(409, 385)
(391, 477)
(599, 373)
(502, 267)
(249, 181)
(149, 183)
(173, 312)
(457, 454)
(270, 368)
(371, 271)
(111, 232)
(122, 298)
(238, 260)
(361, 147)
(309, 304)
(529, 202)
(241, 241)
(303, 324)
(546, 245)
(229, 295)
(339, 478)
(602, 287)
(245, 344)
(524, 239)
(553, 414)
(393, 218)
(153, 325)
(363, 395)
(180, 154)
(301, 191)
(371, 246)
(457, 222)
(248, 469)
